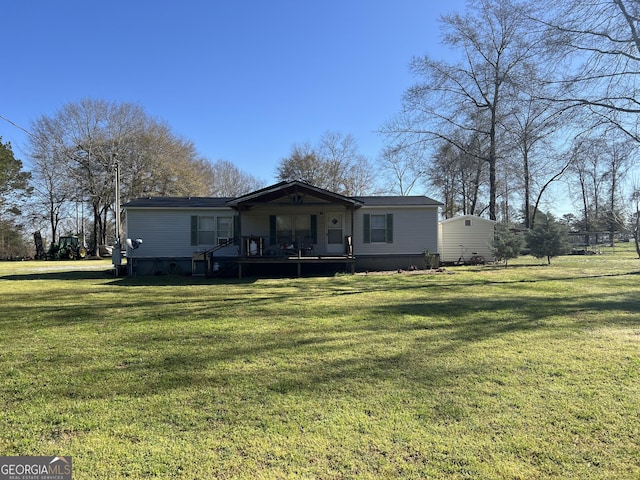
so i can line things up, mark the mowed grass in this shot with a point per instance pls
(527, 372)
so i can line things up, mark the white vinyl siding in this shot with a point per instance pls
(414, 230)
(167, 232)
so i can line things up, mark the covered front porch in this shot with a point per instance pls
(290, 223)
(253, 254)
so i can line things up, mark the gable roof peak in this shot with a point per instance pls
(291, 188)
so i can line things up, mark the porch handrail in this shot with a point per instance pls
(220, 246)
(206, 256)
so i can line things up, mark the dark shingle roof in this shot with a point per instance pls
(276, 191)
(178, 202)
(398, 201)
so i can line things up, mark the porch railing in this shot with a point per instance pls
(206, 259)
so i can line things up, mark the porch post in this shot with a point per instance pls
(239, 233)
(353, 211)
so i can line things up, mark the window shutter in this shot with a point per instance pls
(272, 230)
(194, 230)
(389, 227)
(314, 228)
(236, 230)
(366, 232)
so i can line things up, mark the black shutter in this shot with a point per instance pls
(389, 227)
(273, 240)
(236, 230)
(194, 230)
(366, 232)
(314, 229)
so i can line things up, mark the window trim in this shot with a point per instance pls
(196, 232)
(367, 230)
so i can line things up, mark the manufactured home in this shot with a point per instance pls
(461, 238)
(289, 228)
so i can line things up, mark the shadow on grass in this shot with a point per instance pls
(160, 340)
(150, 280)
(180, 280)
(77, 275)
(282, 358)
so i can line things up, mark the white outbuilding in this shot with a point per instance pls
(465, 236)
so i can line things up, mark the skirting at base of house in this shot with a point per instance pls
(393, 262)
(159, 266)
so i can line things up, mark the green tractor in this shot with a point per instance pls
(68, 248)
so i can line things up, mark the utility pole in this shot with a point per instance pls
(117, 165)
(116, 254)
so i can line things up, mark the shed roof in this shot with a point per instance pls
(462, 217)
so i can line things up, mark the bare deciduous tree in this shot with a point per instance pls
(404, 169)
(335, 164)
(598, 43)
(460, 175)
(83, 141)
(227, 180)
(494, 42)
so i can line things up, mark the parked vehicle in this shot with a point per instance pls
(68, 248)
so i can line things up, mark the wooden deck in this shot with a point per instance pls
(298, 260)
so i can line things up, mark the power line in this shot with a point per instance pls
(18, 126)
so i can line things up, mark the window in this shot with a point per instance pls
(206, 230)
(378, 228)
(467, 222)
(293, 228)
(211, 230)
(225, 229)
(302, 227)
(284, 229)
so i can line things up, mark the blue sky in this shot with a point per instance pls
(244, 79)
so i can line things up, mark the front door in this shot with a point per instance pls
(335, 233)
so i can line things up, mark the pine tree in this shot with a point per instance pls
(548, 238)
(506, 244)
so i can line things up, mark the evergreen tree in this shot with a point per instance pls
(506, 244)
(14, 187)
(548, 238)
(14, 181)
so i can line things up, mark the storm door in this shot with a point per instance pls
(335, 233)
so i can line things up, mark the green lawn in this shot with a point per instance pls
(479, 372)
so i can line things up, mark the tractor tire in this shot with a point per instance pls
(82, 253)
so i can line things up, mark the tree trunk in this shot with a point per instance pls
(492, 160)
(527, 199)
(636, 233)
